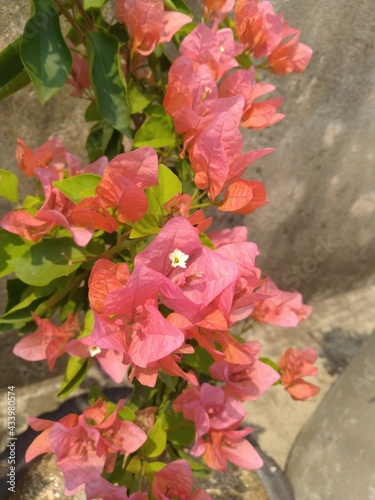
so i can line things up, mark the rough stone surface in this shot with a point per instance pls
(333, 456)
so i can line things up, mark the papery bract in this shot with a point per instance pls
(257, 26)
(290, 56)
(255, 114)
(93, 214)
(110, 360)
(51, 153)
(123, 182)
(283, 308)
(215, 49)
(245, 382)
(244, 197)
(148, 24)
(48, 342)
(175, 480)
(231, 445)
(236, 234)
(296, 364)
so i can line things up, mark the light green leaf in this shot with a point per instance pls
(156, 440)
(147, 226)
(75, 374)
(138, 98)
(206, 241)
(44, 52)
(94, 4)
(13, 75)
(8, 185)
(76, 187)
(47, 260)
(107, 80)
(157, 132)
(169, 185)
(11, 246)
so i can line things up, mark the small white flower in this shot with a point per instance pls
(94, 350)
(222, 49)
(178, 258)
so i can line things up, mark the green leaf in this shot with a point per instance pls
(8, 185)
(169, 185)
(139, 98)
(127, 413)
(93, 4)
(107, 80)
(44, 52)
(47, 260)
(13, 75)
(77, 187)
(88, 324)
(156, 440)
(178, 6)
(92, 114)
(29, 295)
(98, 140)
(75, 374)
(11, 246)
(157, 132)
(271, 363)
(183, 434)
(201, 360)
(135, 465)
(206, 241)
(147, 226)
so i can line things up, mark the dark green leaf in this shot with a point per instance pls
(92, 114)
(178, 6)
(28, 296)
(74, 186)
(74, 376)
(13, 75)
(157, 132)
(98, 140)
(44, 52)
(47, 260)
(107, 80)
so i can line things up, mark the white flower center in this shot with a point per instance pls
(222, 49)
(178, 258)
(94, 350)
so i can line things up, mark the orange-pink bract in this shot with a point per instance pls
(296, 364)
(148, 24)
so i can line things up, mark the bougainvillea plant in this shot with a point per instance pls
(114, 262)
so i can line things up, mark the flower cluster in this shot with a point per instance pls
(122, 243)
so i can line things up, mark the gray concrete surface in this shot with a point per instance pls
(333, 456)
